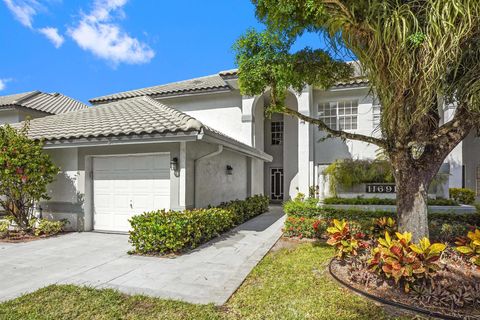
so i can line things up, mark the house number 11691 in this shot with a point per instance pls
(381, 188)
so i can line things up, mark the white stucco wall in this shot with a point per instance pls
(9, 116)
(15, 115)
(221, 111)
(213, 184)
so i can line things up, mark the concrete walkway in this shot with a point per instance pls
(209, 274)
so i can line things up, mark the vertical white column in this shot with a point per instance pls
(247, 120)
(305, 165)
(182, 176)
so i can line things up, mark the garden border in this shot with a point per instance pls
(389, 302)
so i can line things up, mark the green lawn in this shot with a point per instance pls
(287, 284)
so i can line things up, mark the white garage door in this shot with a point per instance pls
(124, 186)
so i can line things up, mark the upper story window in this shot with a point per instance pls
(377, 112)
(277, 132)
(340, 115)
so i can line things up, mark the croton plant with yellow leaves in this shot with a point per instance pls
(398, 258)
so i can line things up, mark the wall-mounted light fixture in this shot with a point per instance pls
(229, 170)
(174, 164)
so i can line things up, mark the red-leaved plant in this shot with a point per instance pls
(346, 242)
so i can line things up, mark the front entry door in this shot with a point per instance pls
(276, 184)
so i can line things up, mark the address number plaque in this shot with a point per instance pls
(380, 188)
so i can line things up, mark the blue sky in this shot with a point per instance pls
(90, 48)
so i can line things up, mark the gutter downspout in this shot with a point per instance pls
(195, 167)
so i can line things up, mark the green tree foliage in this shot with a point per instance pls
(416, 54)
(25, 172)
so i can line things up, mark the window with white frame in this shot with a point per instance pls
(340, 115)
(377, 112)
(277, 132)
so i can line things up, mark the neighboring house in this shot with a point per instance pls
(199, 142)
(35, 104)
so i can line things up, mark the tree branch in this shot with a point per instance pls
(336, 133)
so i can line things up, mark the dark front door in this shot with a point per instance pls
(276, 184)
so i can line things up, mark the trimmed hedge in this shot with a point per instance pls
(380, 201)
(443, 226)
(163, 232)
(462, 195)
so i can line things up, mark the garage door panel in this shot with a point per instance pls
(127, 186)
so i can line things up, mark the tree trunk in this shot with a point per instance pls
(412, 181)
(412, 208)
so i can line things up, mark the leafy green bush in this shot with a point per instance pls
(4, 225)
(162, 232)
(302, 208)
(304, 227)
(25, 172)
(48, 228)
(444, 227)
(249, 208)
(380, 201)
(447, 231)
(462, 195)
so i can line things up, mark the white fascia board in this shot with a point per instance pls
(119, 140)
(213, 137)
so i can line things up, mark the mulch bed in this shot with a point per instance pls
(21, 237)
(453, 292)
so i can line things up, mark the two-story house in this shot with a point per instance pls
(199, 142)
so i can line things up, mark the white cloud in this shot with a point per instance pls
(52, 35)
(96, 32)
(23, 10)
(3, 83)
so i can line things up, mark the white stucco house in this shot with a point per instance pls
(199, 142)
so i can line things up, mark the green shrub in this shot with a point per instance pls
(4, 226)
(25, 173)
(302, 208)
(48, 228)
(247, 209)
(162, 232)
(443, 226)
(462, 195)
(380, 201)
(304, 227)
(443, 231)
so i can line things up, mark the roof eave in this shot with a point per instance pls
(121, 140)
(234, 145)
(176, 94)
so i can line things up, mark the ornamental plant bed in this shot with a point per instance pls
(383, 201)
(424, 277)
(21, 237)
(453, 291)
(38, 229)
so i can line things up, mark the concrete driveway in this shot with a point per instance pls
(209, 274)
